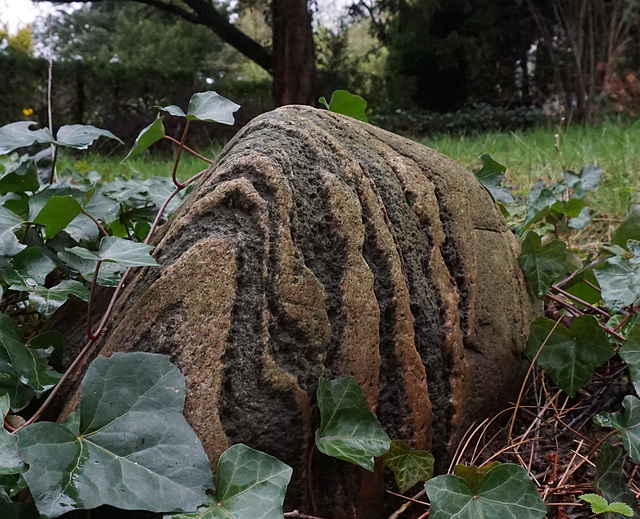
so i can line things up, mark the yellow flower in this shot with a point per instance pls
(28, 112)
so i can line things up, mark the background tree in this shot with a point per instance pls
(291, 60)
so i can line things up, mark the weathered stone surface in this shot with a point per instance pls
(318, 246)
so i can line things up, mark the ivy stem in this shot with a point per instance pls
(633, 311)
(100, 228)
(186, 148)
(94, 281)
(175, 164)
(54, 158)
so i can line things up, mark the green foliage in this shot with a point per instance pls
(569, 356)
(542, 264)
(131, 433)
(409, 467)
(630, 353)
(599, 505)
(627, 424)
(249, 485)
(346, 103)
(125, 253)
(10, 459)
(503, 492)
(348, 430)
(206, 106)
(148, 136)
(610, 479)
(491, 176)
(619, 279)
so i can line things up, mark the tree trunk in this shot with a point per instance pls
(294, 69)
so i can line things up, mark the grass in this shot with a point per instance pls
(531, 155)
(144, 165)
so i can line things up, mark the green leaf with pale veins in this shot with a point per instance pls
(47, 300)
(28, 268)
(57, 213)
(348, 429)
(627, 424)
(9, 243)
(472, 474)
(619, 280)
(125, 253)
(542, 264)
(570, 357)
(629, 229)
(18, 135)
(491, 176)
(81, 136)
(249, 485)
(10, 459)
(610, 479)
(505, 492)
(148, 136)
(21, 179)
(211, 107)
(108, 276)
(409, 467)
(630, 353)
(134, 449)
(27, 365)
(345, 103)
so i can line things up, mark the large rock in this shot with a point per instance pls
(316, 247)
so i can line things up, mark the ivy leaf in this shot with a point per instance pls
(249, 485)
(610, 479)
(211, 107)
(149, 135)
(409, 467)
(81, 136)
(620, 283)
(27, 365)
(57, 213)
(125, 253)
(472, 474)
(345, 103)
(206, 106)
(541, 200)
(599, 505)
(569, 356)
(10, 460)
(47, 300)
(630, 353)
(348, 430)
(582, 220)
(9, 222)
(542, 265)
(504, 492)
(627, 424)
(132, 434)
(28, 268)
(491, 176)
(158, 189)
(23, 178)
(18, 135)
(108, 276)
(588, 181)
(629, 229)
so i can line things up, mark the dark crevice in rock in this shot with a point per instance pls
(392, 407)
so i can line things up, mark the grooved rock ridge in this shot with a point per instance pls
(319, 246)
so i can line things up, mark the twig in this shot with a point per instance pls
(407, 498)
(180, 147)
(406, 505)
(297, 515)
(580, 301)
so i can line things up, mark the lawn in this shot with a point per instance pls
(531, 155)
(528, 155)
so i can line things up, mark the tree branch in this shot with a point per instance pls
(204, 13)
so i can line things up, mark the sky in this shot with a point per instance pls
(18, 13)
